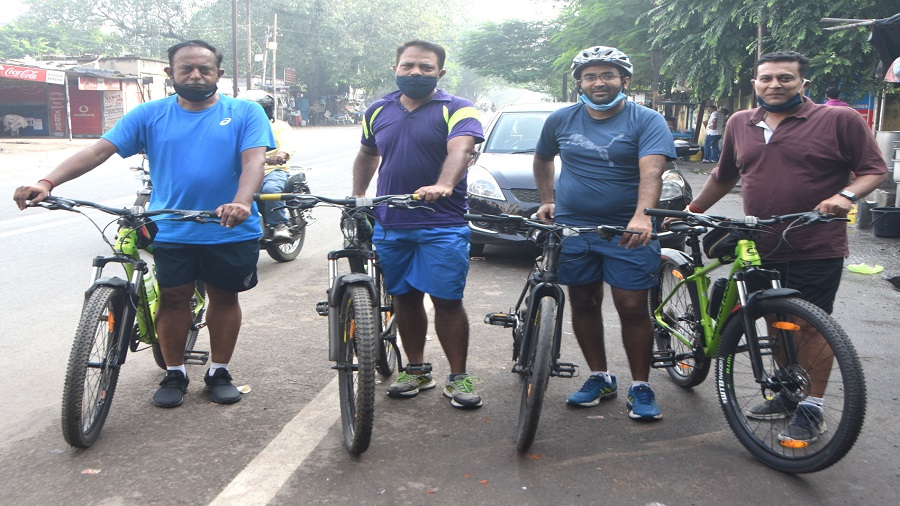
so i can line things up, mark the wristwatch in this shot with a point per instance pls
(847, 194)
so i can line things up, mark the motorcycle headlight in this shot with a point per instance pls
(673, 185)
(483, 184)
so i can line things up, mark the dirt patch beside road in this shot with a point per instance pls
(40, 145)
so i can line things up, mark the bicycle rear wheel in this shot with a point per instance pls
(198, 310)
(537, 359)
(691, 366)
(356, 368)
(93, 369)
(831, 360)
(386, 347)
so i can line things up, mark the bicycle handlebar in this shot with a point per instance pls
(306, 201)
(699, 219)
(605, 231)
(59, 203)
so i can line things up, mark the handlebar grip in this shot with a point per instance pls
(666, 213)
(272, 196)
(490, 218)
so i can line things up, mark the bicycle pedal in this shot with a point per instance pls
(196, 357)
(198, 326)
(565, 370)
(322, 308)
(663, 359)
(504, 320)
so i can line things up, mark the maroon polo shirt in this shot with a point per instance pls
(809, 158)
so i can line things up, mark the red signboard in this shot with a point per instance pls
(290, 75)
(32, 74)
(57, 111)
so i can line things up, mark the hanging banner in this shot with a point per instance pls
(32, 74)
(96, 83)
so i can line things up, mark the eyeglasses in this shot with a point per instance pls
(605, 77)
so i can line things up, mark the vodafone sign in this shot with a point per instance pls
(32, 74)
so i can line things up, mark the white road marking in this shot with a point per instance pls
(264, 476)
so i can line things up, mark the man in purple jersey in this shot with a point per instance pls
(420, 139)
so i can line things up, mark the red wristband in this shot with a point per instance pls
(694, 209)
(52, 186)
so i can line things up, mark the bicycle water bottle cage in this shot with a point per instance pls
(424, 368)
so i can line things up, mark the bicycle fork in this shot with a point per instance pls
(338, 284)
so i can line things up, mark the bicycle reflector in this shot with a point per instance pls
(786, 325)
(794, 444)
(677, 274)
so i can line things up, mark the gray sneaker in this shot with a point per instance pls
(408, 385)
(780, 406)
(807, 424)
(462, 393)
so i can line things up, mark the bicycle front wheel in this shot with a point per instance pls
(537, 361)
(689, 364)
(386, 347)
(93, 368)
(356, 368)
(804, 352)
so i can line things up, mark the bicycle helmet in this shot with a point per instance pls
(601, 55)
(263, 98)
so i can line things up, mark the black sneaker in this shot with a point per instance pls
(776, 408)
(806, 425)
(171, 390)
(221, 391)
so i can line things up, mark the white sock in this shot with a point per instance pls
(215, 365)
(639, 383)
(818, 401)
(177, 368)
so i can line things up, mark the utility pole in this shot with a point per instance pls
(249, 51)
(234, 45)
(274, 57)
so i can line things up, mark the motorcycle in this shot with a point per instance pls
(279, 250)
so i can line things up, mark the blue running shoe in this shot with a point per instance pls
(594, 390)
(642, 403)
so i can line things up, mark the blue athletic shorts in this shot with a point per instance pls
(587, 258)
(431, 260)
(229, 266)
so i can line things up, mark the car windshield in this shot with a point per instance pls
(516, 132)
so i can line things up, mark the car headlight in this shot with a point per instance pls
(483, 184)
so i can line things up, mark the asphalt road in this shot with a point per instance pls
(282, 443)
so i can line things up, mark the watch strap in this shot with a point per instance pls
(847, 194)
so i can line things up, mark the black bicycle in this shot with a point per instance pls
(362, 333)
(537, 317)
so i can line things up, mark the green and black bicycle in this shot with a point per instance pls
(769, 345)
(117, 316)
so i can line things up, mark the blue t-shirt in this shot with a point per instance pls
(413, 147)
(599, 177)
(195, 160)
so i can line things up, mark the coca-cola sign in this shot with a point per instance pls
(32, 74)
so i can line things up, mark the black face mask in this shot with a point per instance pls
(416, 87)
(194, 94)
(787, 106)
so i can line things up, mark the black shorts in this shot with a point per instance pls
(229, 266)
(817, 280)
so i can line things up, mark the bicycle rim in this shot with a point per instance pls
(844, 397)
(536, 372)
(356, 368)
(680, 312)
(386, 348)
(93, 368)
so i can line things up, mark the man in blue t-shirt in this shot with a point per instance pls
(613, 155)
(206, 151)
(423, 138)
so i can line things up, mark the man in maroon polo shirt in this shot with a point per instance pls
(794, 156)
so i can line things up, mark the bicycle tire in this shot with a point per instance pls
(287, 251)
(845, 396)
(197, 323)
(386, 347)
(93, 369)
(356, 368)
(691, 364)
(536, 371)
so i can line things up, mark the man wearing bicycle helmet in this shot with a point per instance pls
(613, 154)
(793, 155)
(420, 140)
(276, 175)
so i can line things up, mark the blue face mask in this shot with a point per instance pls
(602, 107)
(787, 106)
(416, 87)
